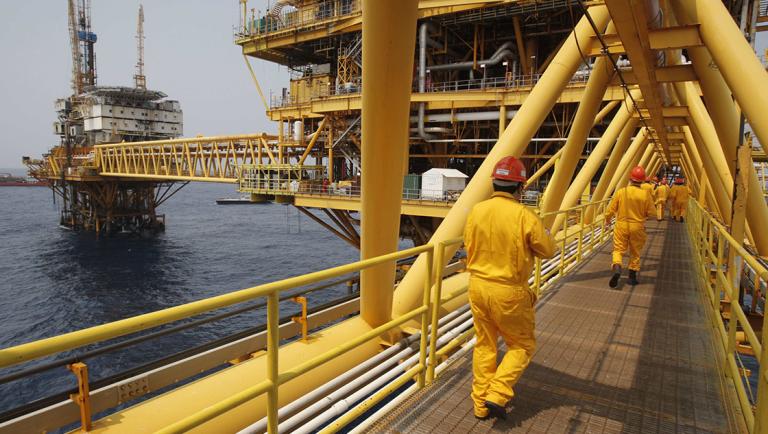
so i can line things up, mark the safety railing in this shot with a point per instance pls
(355, 86)
(305, 17)
(724, 267)
(576, 244)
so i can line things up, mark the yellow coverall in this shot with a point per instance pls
(631, 205)
(661, 196)
(647, 186)
(679, 195)
(502, 237)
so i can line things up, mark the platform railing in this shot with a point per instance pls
(576, 244)
(723, 266)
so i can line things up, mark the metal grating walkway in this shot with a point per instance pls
(631, 360)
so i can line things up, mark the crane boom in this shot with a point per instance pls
(140, 79)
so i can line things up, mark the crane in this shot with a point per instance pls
(140, 79)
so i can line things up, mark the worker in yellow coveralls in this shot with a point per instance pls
(647, 186)
(679, 196)
(661, 196)
(631, 205)
(502, 237)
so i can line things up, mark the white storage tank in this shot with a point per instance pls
(442, 184)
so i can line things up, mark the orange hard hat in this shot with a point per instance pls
(509, 169)
(664, 181)
(637, 174)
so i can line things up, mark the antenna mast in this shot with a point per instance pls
(140, 79)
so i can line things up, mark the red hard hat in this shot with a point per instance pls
(664, 181)
(637, 174)
(679, 180)
(509, 169)
(655, 179)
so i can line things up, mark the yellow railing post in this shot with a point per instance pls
(761, 405)
(273, 345)
(581, 234)
(425, 317)
(565, 243)
(83, 396)
(437, 294)
(302, 318)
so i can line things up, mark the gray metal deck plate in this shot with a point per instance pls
(632, 360)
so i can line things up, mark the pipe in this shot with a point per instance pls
(515, 139)
(389, 32)
(423, 38)
(345, 378)
(501, 53)
(464, 116)
(342, 405)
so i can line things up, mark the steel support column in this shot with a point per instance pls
(389, 32)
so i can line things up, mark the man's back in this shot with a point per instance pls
(662, 192)
(631, 204)
(502, 237)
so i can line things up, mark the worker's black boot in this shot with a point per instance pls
(495, 410)
(632, 278)
(614, 282)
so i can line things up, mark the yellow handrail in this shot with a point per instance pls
(711, 243)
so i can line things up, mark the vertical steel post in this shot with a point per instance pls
(436, 296)
(273, 343)
(389, 32)
(83, 396)
(420, 380)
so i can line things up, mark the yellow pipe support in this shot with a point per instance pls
(515, 139)
(734, 57)
(610, 167)
(544, 167)
(605, 110)
(312, 141)
(643, 162)
(389, 32)
(595, 160)
(522, 55)
(601, 75)
(256, 82)
(639, 144)
(721, 195)
(502, 119)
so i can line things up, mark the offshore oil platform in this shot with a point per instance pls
(395, 115)
(105, 114)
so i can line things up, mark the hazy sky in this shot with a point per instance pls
(189, 55)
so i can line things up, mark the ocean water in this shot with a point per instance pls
(54, 281)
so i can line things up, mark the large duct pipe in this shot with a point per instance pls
(501, 53)
(389, 32)
(515, 139)
(457, 117)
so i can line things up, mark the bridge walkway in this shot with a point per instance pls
(630, 360)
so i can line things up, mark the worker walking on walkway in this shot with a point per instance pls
(502, 237)
(679, 196)
(661, 195)
(631, 205)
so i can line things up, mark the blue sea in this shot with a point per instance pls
(55, 280)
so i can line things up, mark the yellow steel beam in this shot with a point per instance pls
(212, 159)
(631, 18)
(665, 38)
(420, 208)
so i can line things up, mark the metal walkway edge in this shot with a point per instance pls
(632, 360)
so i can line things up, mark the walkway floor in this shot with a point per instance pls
(631, 360)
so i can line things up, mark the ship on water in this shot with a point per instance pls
(8, 180)
(395, 115)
